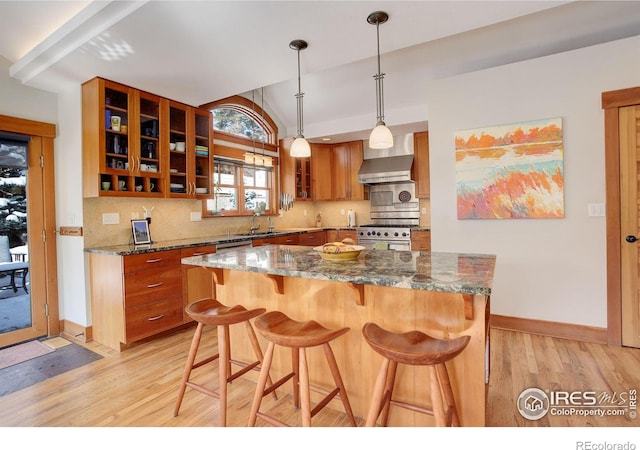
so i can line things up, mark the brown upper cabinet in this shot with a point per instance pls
(134, 158)
(347, 159)
(331, 173)
(421, 164)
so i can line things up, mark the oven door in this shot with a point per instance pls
(381, 244)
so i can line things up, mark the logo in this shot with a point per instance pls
(533, 404)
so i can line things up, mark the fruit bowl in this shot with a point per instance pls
(338, 251)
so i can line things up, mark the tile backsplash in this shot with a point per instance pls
(172, 218)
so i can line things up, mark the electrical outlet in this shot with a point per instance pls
(196, 216)
(423, 211)
(110, 218)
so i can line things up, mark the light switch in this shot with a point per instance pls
(596, 210)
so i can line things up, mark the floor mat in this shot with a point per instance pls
(23, 352)
(60, 360)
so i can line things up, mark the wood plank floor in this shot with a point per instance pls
(137, 388)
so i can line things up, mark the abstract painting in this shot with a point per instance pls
(511, 171)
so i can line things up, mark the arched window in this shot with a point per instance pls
(243, 117)
(241, 127)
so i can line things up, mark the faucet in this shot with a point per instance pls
(253, 227)
(271, 227)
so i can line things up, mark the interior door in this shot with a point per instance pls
(39, 249)
(629, 123)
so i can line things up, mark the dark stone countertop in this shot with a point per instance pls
(441, 272)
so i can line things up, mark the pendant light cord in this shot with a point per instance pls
(299, 96)
(379, 77)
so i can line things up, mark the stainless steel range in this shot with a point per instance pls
(394, 211)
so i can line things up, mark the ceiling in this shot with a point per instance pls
(200, 51)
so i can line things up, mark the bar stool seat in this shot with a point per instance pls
(281, 330)
(213, 313)
(416, 349)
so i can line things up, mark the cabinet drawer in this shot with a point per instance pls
(313, 239)
(153, 260)
(151, 318)
(151, 285)
(280, 240)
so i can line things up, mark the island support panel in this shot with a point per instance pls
(335, 305)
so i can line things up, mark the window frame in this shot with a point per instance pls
(231, 147)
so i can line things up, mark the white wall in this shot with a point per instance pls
(549, 269)
(24, 102)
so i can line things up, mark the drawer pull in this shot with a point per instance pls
(155, 285)
(150, 319)
(198, 254)
(151, 261)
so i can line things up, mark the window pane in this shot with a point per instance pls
(247, 176)
(256, 200)
(224, 174)
(238, 123)
(226, 199)
(261, 178)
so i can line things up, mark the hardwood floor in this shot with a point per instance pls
(137, 388)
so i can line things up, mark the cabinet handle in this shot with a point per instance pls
(151, 319)
(151, 261)
(155, 285)
(198, 254)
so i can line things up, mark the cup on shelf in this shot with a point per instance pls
(172, 146)
(180, 146)
(122, 185)
(152, 186)
(106, 185)
(139, 188)
(144, 167)
(123, 128)
(115, 123)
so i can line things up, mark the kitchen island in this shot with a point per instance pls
(443, 294)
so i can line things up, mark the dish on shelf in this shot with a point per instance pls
(173, 170)
(202, 190)
(338, 251)
(176, 186)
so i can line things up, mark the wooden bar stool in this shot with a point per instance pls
(416, 349)
(211, 312)
(279, 329)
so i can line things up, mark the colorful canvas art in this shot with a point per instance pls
(511, 171)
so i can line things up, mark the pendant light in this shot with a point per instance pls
(381, 136)
(300, 147)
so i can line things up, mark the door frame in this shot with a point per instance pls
(42, 136)
(611, 102)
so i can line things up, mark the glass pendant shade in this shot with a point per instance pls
(381, 137)
(300, 148)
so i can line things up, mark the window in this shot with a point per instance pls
(240, 189)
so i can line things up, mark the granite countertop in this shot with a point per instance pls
(441, 272)
(130, 249)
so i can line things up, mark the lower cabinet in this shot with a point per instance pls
(134, 297)
(290, 239)
(197, 282)
(421, 241)
(313, 238)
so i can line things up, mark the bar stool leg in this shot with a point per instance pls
(378, 392)
(305, 394)
(258, 352)
(333, 365)
(436, 398)
(223, 371)
(195, 342)
(295, 366)
(443, 375)
(262, 381)
(388, 392)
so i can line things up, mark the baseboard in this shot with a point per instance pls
(554, 329)
(76, 332)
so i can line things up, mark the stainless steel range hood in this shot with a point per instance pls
(390, 165)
